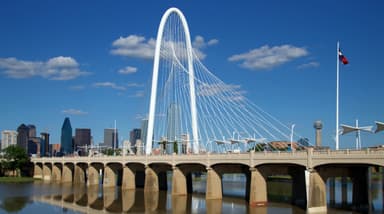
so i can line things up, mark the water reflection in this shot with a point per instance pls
(96, 199)
(41, 196)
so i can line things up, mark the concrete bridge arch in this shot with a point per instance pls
(57, 169)
(113, 174)
(95, 170)
(68, 171)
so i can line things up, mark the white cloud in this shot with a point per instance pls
(267, 57)
(109, 85)
(228, 92)
(134, 46)
(139, 47)
(57, 68)
(200, 43)
(309, 65)
(127, 70)
(73, 112)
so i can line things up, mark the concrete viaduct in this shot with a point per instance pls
(308, 169)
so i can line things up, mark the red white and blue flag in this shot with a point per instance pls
(342, 58)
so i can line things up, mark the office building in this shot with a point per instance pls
(34, 146)
(173, 127)
(8, 137)
(22, 136)
(173, 122)
(44, 145)
(144, 129)
(31, 130)
(82, 140)
(134, 135)
(54, 149)
(111, 137)
(66, 137)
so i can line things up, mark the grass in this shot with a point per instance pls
(17, 179)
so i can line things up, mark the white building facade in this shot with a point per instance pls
(8, 137)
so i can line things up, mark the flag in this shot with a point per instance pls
(342, 58)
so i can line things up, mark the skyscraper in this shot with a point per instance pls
(173, 122)
(134, 135)
(44, 144)
(144, 127)
(31, 130)
(8, 137)
(82, 140)
(111, 138)
(34, 146)
(22, 136)
(66, 137)
(173, 126)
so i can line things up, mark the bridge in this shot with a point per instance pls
(191, 106)
(308, 169)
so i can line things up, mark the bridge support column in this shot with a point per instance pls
(110, 177)
(128, 179)
(47, 173)
(93, 176)
(316, 192)
(257, 189)
(56, 174)
(151, 180)
(79, 175)
(213, 187)
(67, 174)
(179, 182)
(37, 172)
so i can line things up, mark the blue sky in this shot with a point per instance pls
(64, 58)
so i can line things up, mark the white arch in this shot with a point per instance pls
(152, 105)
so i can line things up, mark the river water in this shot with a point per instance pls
(45, 197)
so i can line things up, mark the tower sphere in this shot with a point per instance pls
(318, 124)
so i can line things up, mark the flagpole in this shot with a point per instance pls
(337, 96)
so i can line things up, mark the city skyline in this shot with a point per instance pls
(97, 69)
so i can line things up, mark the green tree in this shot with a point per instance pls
(14, 159)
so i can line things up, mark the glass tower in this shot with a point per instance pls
(66, 137)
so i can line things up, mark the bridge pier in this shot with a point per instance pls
(109, 177)
(151, 180)
(93, 176)
(37, 171)
(47, 173)
(179, 182)
(56, 173)
(79, 175)
(257, 189)
(316, 192)
(67, 175)
(128, 179)
(213, 187)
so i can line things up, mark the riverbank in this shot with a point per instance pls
(17, 179)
